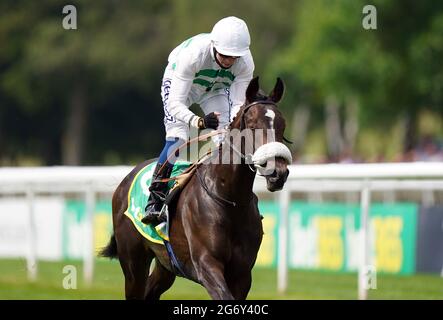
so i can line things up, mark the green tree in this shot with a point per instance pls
(333, 61)
(117, 48)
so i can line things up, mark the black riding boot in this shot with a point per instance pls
(157, 195)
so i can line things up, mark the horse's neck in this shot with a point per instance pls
(233, 181)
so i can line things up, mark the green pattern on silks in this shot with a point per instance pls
(214, 74)
(211, 73)
(212, 85)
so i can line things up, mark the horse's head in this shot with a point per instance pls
(261, 121)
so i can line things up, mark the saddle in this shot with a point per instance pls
(138, 195)
(180, 182)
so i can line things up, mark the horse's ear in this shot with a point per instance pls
(252, 90)
(277, 93)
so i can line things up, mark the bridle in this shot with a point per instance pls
(242, 120)
(246, 157)
(247, 107)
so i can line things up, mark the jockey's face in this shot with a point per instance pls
(224, 61)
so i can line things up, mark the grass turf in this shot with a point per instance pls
(108, 283)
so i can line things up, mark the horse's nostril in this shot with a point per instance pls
(278, 177)
(273, 177)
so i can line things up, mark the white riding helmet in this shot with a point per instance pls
(230, 37)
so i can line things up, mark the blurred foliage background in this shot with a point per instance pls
(91, 96)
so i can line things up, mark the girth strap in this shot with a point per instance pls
(176, 265)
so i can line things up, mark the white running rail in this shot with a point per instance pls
(363, 178)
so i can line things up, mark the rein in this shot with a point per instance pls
(214, 133)
(213, 195)
(246, 157)
(198, 139)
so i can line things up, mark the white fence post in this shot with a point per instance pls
(31, 258)
(88, 244)
(365, 241)
(282, 268)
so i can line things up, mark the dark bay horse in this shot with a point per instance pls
(216, 229)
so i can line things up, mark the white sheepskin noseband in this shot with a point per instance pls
(269, 151)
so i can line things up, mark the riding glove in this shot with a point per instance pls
(210, 121)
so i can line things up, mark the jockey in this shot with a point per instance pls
(212, 70)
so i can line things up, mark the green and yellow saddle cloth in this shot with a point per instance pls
(138, 198)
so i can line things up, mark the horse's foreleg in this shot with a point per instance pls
(211, 275)
(240, 285)
(159, 281)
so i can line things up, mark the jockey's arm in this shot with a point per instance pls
(180, 86)
(240, 84)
